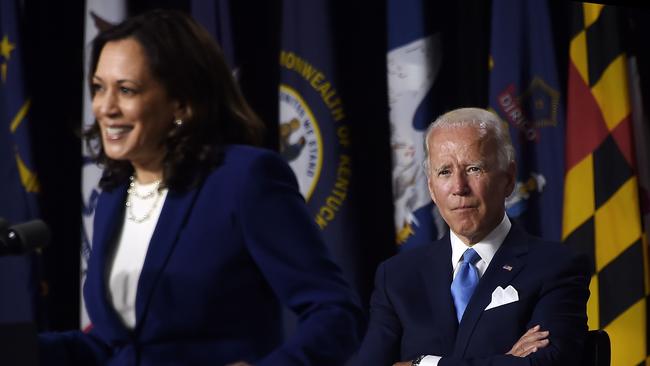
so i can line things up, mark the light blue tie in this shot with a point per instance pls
(463, 285)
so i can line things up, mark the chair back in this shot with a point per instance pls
(597, 351)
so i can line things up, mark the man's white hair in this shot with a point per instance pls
(485, 123)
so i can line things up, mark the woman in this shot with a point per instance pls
(198, 240)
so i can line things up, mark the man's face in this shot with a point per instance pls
(465, 181)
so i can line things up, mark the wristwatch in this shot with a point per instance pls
(417, 360)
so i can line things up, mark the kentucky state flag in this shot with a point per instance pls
(314, 128)
(414, 57)
(525, 93)
(18, 182)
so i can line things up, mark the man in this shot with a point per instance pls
(487, 293)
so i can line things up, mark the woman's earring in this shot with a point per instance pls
(178, 122)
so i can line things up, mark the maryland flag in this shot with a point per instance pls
(601, 198)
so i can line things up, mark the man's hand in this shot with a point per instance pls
(530, 342)
(239, 363)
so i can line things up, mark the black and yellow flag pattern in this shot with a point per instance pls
(601, 198)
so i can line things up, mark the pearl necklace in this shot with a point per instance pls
(133, 192)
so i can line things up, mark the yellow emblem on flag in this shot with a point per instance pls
(20, 116)
(28, 179)
(5, 51)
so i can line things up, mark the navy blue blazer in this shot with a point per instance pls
(412, 311)
(222, 260)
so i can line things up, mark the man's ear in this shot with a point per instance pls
(511, 176)
(430, 186)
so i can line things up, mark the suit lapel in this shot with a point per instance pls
(436, 273)
(172, 217)
(510, 255)
(108, 216)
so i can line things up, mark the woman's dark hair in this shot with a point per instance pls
(188, 62)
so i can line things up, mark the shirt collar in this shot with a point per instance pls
(486, 248)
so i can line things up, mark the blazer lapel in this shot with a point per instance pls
(510, 255)
(172, 218)
(108, 216)
(436, 274)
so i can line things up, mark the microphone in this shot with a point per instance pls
(23, 238)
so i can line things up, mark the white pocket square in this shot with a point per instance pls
(503, 297)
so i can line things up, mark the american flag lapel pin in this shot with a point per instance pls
(507, 267)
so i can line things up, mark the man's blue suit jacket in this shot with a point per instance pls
(223, 259)
(412, 311)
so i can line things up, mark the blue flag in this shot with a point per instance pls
(314, 128)
(215, 16)
(414, 59)
(525, 93)
(18, 183)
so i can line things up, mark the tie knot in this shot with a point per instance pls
(470, 256)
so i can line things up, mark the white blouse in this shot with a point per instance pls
(131, 248)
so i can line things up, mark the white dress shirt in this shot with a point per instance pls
(485, 248)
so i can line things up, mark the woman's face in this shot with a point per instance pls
(132, 108)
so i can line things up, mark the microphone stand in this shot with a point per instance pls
(19, 339)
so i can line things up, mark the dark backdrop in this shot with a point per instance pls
(54, 46)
